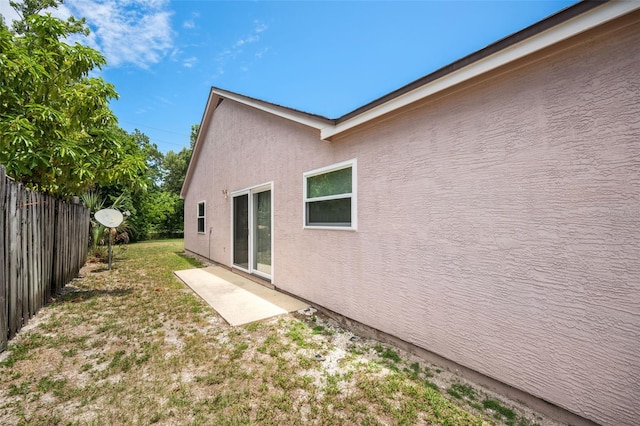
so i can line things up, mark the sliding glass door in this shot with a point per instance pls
(241, 231)
(262, 232)
(252, 241)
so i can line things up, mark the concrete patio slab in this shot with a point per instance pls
(237, 299)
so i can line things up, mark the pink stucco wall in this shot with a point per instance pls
(498, 225)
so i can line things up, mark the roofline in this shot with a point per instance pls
(217, 95)
(308, 119)
(532, 30)
(567, 23)
(560, 26)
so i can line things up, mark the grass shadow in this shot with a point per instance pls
(192, 260)
(101, 269)
(75, 295)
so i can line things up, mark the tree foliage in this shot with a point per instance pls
(175, 164)
(57, 132)
(157, 211)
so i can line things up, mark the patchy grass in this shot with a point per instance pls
(135, 346)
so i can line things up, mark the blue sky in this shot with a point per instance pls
(325, 58)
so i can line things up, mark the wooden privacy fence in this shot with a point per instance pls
(43, 245)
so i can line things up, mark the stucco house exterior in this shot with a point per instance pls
(488, 212)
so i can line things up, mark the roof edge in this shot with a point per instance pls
(216, 95)
(312, 120)
(567, 23)
(560, 26)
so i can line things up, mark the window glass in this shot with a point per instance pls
(332, 183)
(241, 231)
(329, 213)
(201, 215)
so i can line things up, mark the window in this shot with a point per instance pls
(201, 216)
(330, 197)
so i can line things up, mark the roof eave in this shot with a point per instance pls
(305, 118)
(573, 21)
(561, 26)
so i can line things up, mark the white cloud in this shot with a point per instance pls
(260, 27)
(164, 100)
(254, 36)
(231, 53)
(189, 62)
(259, 54)
(190, 24)
(174, 54)
(134, 32)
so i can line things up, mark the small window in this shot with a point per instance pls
(201, 217)
(330, 196)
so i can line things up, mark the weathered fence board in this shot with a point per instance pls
(43, 245)
(13, 283)
(3, 282)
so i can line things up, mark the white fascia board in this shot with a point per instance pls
(570, 28)
(286, 113)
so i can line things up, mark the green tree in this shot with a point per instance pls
(195, 129)
(175, 165)
(57, 132)
(153, 157)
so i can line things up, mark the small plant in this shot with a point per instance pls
(454, 393)
(492, 404)
(296, 333)
(238, 350)
(460, 391)
(318, 329)
(332, 385)
(254, 326)
(387, 353)
(20, 350)
(47, 384)
(70, 353)
(22, 389)
(431, 385)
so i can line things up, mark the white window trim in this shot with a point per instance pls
(204, 216)
(353, 163)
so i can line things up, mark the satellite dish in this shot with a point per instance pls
(109, 217)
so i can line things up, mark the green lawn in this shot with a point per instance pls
(135, 346)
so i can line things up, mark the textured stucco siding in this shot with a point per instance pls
(498, 225)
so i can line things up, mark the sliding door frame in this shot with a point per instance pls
(250, 192)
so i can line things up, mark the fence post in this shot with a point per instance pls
(3, 262)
